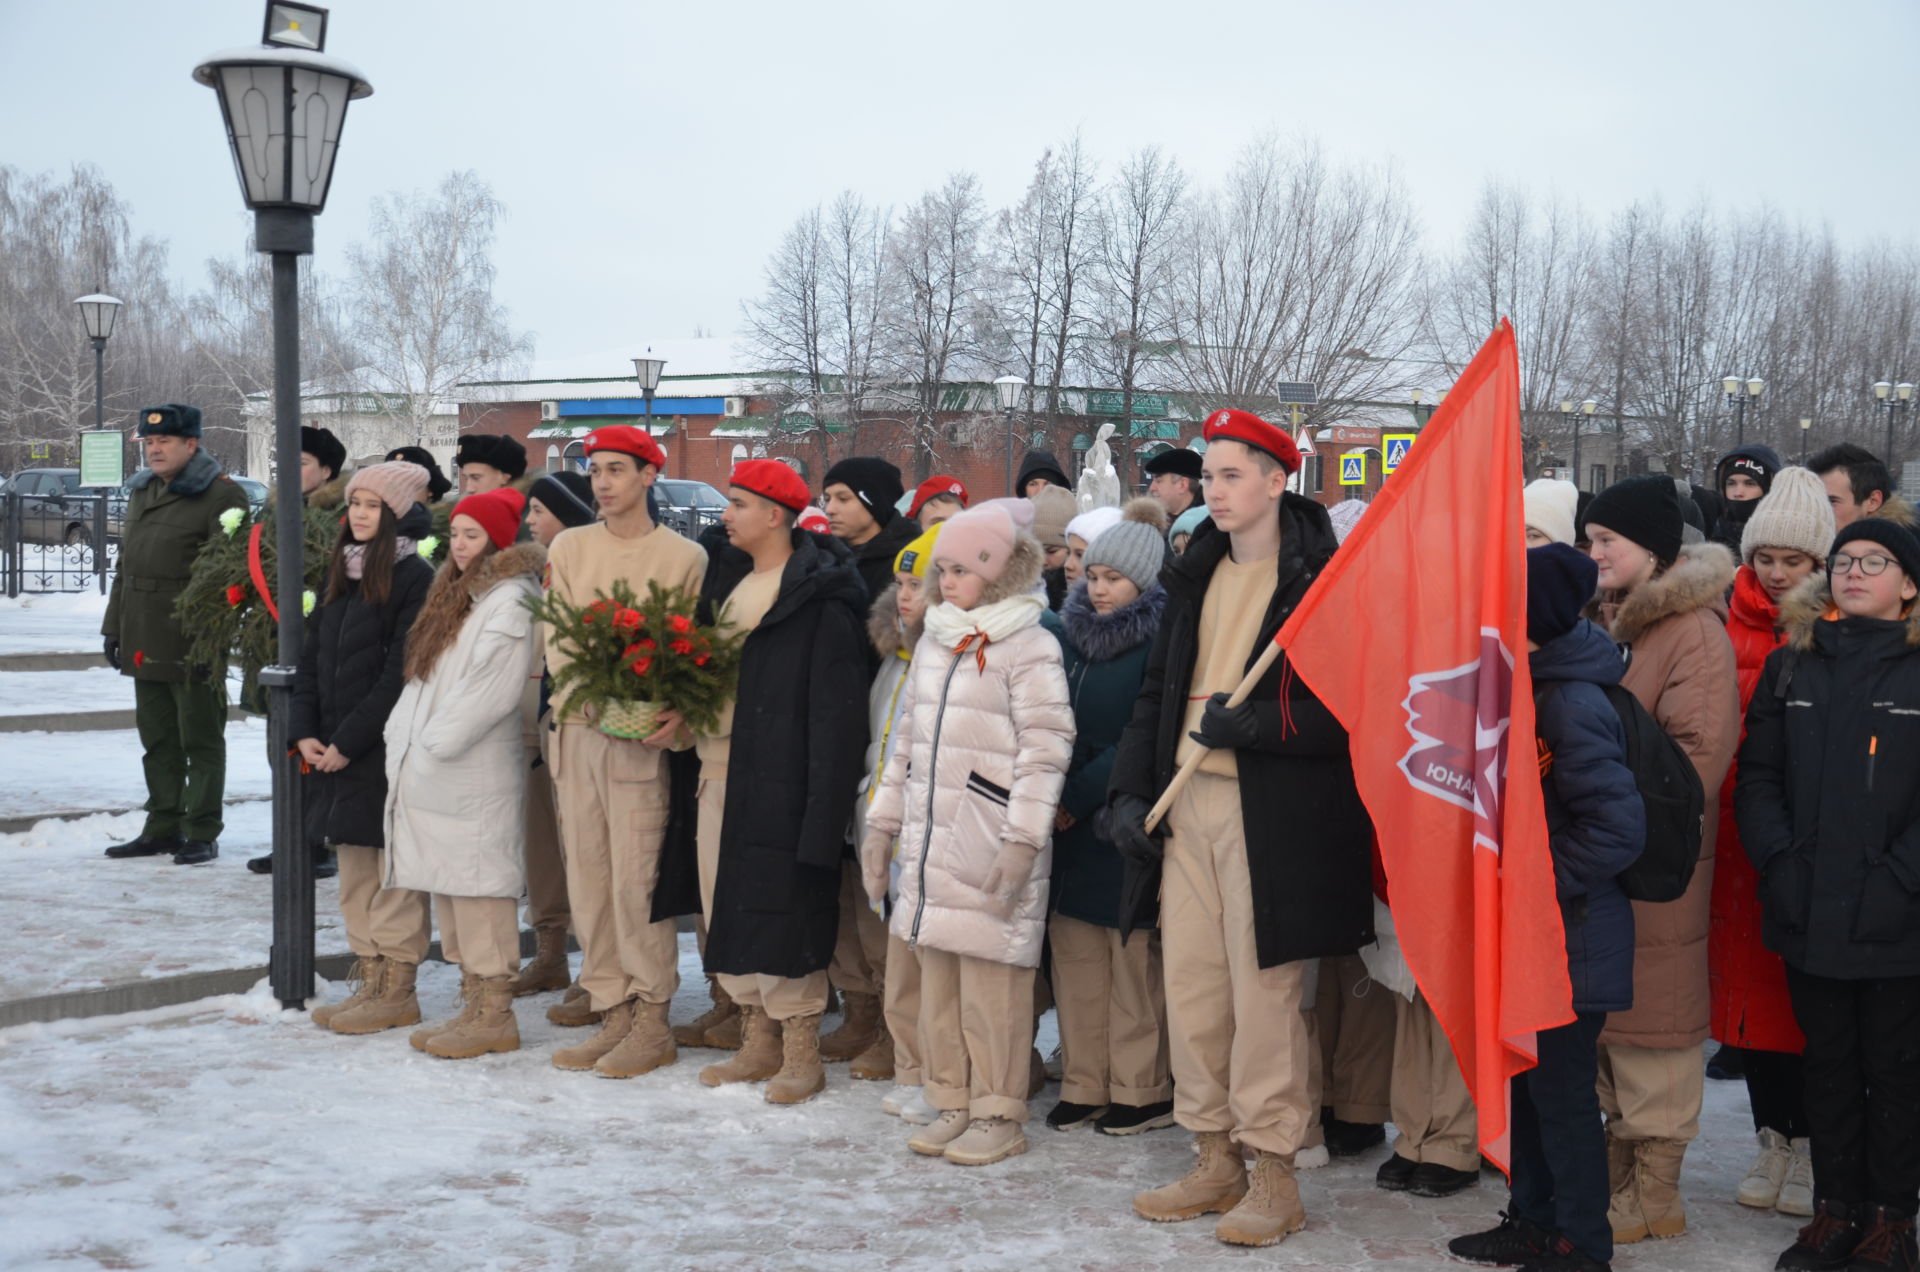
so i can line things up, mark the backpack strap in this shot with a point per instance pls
(1784, 680)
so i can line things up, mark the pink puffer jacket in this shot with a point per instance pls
(979, 757)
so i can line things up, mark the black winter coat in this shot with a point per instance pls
(1309, 840)
(1834, 834)
(799, 745)
(352, 668)
(1597, 825)
(874, 558)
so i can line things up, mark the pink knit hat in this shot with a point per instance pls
(398, 483)
(982, 537)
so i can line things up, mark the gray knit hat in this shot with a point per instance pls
(1794, 513)
(1136, 546)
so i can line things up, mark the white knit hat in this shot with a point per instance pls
(1550, 506)
(1087, 526)
(1793, 514)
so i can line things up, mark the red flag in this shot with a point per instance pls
(1415, 637)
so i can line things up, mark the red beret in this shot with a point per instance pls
(771, 479)
(627, 440)
(497, 511)
(815, 520)
(936, 486)
(1250, 430)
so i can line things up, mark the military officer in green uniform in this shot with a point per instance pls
(175, 507)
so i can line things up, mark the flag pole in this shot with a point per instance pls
(1240, 695)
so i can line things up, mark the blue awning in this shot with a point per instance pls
(638, 406)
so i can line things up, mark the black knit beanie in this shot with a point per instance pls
(1890, 535)
(568, 496)
(1643, 509)
(1560, 581)
(874, 481)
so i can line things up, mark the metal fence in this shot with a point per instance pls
(59, 543)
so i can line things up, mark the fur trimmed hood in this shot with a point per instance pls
(451, 599)
(1698, 580)
(1022, 573)
(1811, 603)
(1900, 512)
(883, 625)
(199, 473)
(1099, 637)
(507, 563)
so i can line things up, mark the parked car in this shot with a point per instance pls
(56, 509)
(256, 492)
(687, 506)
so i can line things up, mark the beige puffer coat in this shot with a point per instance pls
(979, 757)
(456, 757)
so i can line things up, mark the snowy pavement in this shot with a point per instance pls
(51, 624)
(49, 773)
(229, 1135)
(75, 920)
(41, 692)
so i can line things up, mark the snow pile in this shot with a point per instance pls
(50, 773)
(51, 624)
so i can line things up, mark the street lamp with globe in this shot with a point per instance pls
(1009, 387)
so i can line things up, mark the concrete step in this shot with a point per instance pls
(80, 721)
(52, 662)
(15, 825)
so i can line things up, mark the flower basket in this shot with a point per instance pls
(629, 720)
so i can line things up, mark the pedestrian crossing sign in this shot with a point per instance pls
(1393, 450)
(1353, 470)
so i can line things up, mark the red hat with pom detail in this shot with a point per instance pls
(627, 440)
(771, 479)
(497, 511)
(1250, 430)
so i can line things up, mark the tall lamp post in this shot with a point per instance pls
(647, 372)
(1577, 413)
(1806, 429)
(1897, 399)
(1739, 392)
(97, 312)
(284, 103)
(1008, 387)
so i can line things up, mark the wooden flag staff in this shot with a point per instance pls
(1239, 695)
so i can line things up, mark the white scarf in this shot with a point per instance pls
(951, 625)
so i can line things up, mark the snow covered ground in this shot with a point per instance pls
(73, 772)
(227, 1134)
(75, 920)
(96, 689)
(51, 624)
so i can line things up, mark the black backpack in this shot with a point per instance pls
(1675, 801)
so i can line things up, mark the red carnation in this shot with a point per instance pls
(702, 660)
(626, 619)
(139, 658)
(680, 623)
(236, 594)
(646, 643)
(683, 646)
(640, 666)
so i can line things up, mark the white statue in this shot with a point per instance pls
(1099, 485)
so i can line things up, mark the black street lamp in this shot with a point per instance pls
(1739, 392)
(647, 372)
(98, 311)
(1897, 399)
(1578, 413)
(284, 102)
(1009, 387)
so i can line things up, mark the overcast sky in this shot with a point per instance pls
(651, 154)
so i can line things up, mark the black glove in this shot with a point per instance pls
(110, 646)
(1124, 822)
(1224, 728)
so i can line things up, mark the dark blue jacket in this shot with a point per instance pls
(1597, 823)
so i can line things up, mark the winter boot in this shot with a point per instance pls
(694, 1032)
(574, 1010)
(1270, 1211)
(1826, 1243)
(987, 1140)
(1512, 1243)
(1889, 1243)
(1215, 1185)
(469, 1008)
(1761, 1188)
(492, 1028)
(196, 852)
(932, 1140)
(147, 846)
(1651, 1205)
(801, 1076)
(393, 1006)
(647, 1046)
(548, 970)
(728, 1035)
(758, 1058)
(1620, 1155)
(875, 1064)
(1796, 1192)
(856, 1030)
(364, 975)
(613, 1030)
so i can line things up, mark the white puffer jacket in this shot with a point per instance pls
(456, 757)
(978, 760)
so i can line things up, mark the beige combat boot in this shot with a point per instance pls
(875, 1064)
(364, 976)
(856, 1030)
(1270, 1211)
(647, 1046)
(758, 1058)
(987, 1140)
(574, 1010)
(801, 1075)
(1623, 1203)
(469, 1008)
(392, 1006)
(549, 969)
(491, 1029)
(724, 1009)
(932, 1140)
(1215, 1185)
(1660, 1201)
(584, 1055)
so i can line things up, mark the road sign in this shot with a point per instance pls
(1394, 448)
(1353, 470)
(101, 455)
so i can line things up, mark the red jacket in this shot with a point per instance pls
(1747, 981)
